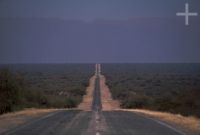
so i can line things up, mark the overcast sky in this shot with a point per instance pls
(94, 9)
(28, 47)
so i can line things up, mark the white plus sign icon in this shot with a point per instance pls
(186, 14)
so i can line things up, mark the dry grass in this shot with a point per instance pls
(108, 103)
(11, 120)
(86, 104)
(188, 124)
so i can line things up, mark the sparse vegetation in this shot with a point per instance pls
(42, 86)
(10, 91)
(171, 88)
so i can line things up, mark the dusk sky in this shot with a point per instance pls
(90, 31)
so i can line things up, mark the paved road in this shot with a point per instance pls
(59, 123)
(96, 105)
(95, 122)
(127, 123)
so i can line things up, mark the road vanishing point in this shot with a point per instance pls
(94, 122)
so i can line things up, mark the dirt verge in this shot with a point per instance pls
(86, 104)
(108, 104)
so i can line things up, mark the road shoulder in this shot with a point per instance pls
(12, 120)
(189, 125)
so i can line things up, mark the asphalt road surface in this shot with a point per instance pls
(96, 105)
(95, 122)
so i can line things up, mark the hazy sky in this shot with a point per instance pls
(94, 9)
(133, 40)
